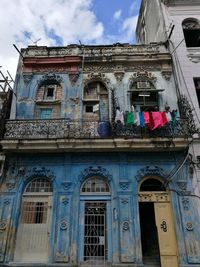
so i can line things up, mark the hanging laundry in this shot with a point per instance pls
(164, 117)
(137, 118)
(157, 119)
(169, 116)
(174, 115)
(142, 124)
(130, 118)
(119, 116)
(146, 117)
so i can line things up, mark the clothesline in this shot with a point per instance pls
(152, 119)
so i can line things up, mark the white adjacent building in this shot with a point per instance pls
(177, 23)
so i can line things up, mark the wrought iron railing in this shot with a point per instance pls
(63, 128)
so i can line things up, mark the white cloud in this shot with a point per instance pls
(68, 20)
(129, 26)
(117, 14)
(133, 7)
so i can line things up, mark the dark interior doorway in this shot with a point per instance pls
(149, 235)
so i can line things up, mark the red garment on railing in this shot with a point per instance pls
(146, 117)
(164, 117)
(157, 120)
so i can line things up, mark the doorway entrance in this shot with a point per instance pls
(158, 238)
(149, 235)
(95, 233)
(95, 223)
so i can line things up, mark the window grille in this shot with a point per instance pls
(95, 185)
(39, 185)
(34, 212)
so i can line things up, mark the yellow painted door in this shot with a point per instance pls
(166, 235)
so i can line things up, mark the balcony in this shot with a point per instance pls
(63, 128)
(65, 135)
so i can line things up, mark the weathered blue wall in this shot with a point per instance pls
(123, 172)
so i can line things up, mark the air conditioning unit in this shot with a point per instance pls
(143, 85)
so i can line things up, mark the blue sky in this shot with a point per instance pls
(62, 22)
(122, 9)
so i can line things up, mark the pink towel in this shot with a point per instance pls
(157, 119)
(146, 117)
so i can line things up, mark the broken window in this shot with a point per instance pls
(197, 87)
(191, 30)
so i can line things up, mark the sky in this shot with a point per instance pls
(63, 22)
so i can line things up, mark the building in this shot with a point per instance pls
(87, 180)
(177, 23)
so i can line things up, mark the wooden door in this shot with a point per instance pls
(166, 234)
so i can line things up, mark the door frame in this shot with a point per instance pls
(96, 198)
(159, 197)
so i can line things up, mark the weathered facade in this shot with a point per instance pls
(82, 188)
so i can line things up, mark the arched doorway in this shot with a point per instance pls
(95, 223)
(158, 238)
(32, 242)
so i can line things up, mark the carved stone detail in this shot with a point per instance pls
(40, 172)
(124, 185)
(11, 184)
(124, 201)
(182, 185)
(125, 225)
(66, 185)
(50, 77)
(64, 224)
(189, 226)
(73, 77)
(186, 203)
(153, 197)
(151, 170)
(119, 75)
(96, 76)
(7, 201)
(166, 74)
(3, 225)
(61, 257)
(27, 78)
(64, 201)
(95, 171)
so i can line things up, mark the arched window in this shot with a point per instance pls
(95, 98)
(152, 184)
(39, 185)
(191, 30)
(95, 185)
(48, 99)
(34, 223)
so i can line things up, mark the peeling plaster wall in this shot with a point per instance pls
(122, 173)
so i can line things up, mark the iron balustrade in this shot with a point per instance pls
(64, 128)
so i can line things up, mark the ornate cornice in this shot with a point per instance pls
(50, 78)
(94, 76)
(151, 171)
(95, 171)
